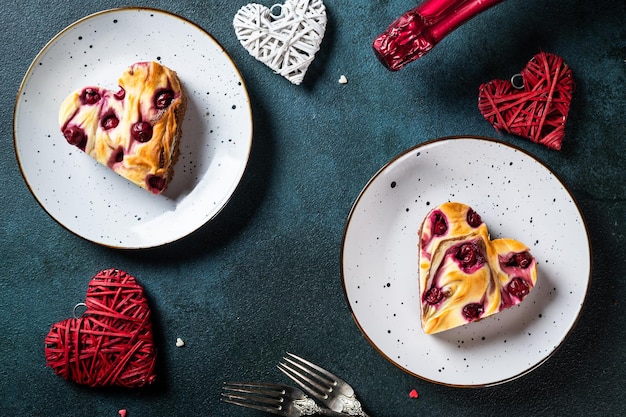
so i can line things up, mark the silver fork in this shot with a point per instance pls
(277, 399)
(329, 389)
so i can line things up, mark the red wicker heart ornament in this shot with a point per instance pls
(536, 110)
(111, 344)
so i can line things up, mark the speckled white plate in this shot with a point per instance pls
(86, 197)
(517, 197)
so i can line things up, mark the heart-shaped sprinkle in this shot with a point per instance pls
(285, 37)
(414, 393)
(535, 104)
(464, 276)
(111, 343)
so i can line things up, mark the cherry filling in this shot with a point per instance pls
(440, 226)
(121, 93)
(473, 311)
(518, 287)
(473, 218)
(433, 296)
(116, 157)
(141, 131)
(90, 96)
(156, 184)
(163, 98)
(469, 255)
(109, 121)
(522, 260)
(75, 136)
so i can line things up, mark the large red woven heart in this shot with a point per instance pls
(538, 109)
(111, 344)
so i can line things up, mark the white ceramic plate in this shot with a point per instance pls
(86, 197)
(517, 197)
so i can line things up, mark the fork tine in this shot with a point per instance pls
(258, 396)
(332, 381)
(264, 408)
(256, 388)
(329, 377)
(308, 384)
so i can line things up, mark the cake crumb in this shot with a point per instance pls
(179, 342)
(343, 80)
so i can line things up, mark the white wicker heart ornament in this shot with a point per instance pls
(285, 37)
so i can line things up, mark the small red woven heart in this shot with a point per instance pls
(536, 111)
(111, 344)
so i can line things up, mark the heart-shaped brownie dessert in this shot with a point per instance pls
(464, 276)
(135, 131)
(284, 37)
(536, 107)
(111, 343)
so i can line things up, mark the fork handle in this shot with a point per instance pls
(329, 412)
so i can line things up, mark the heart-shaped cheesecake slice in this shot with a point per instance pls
(111, 343)
(464, 276)
(134, 131)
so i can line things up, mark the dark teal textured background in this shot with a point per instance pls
(264, 277)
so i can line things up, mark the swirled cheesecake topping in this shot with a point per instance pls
(465, 276)
(135, 130)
